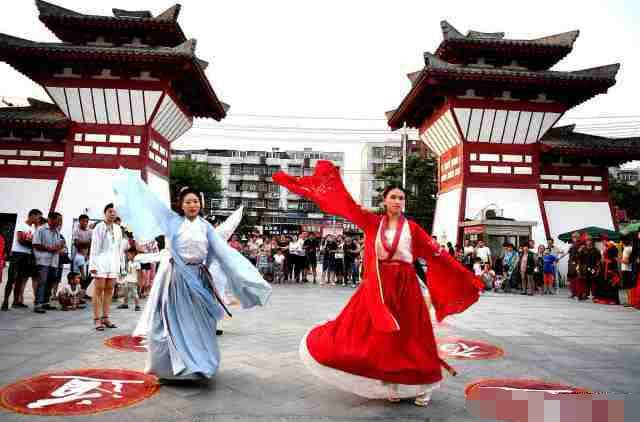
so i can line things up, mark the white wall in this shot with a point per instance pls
(519, 204)
(567, 216)
(445, 222)
(21, 195)
(159, 186)
(85, 191)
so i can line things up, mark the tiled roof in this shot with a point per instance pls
(193, 80)
(38, 114)
(565, 39)
(53, 10)
(539, 53)
(565, 138)
(67, 24)
(24, 47)
(434, 64)
(437, 72)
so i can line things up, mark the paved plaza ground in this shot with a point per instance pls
(262, 378)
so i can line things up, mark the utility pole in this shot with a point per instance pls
(403, 144)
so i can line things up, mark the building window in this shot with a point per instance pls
(236, 169)
(273, 205)
(295, 170)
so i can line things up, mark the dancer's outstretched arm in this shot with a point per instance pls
(326, 189)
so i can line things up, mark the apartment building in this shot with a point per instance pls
(245, 176)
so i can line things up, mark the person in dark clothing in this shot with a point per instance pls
(606, 287)
(311, 246)
(351, 253)
(589, 261)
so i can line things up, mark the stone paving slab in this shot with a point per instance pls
(261, 377)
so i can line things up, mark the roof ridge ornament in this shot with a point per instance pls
(43, 105)
(565, 38)
(171, 14)
(413, 76)
(432, 60)
(129, 14)
(188, 47)
(485, 35)
(449, 31)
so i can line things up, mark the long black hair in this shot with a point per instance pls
(183, 193)
(389, 188)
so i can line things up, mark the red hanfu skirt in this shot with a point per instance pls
(351, 344)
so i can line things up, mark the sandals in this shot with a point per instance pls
(98, 327)
(422, 401)
(107, 323)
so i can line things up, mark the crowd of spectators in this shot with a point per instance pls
(303, 258)
(606, 274)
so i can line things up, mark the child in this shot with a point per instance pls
(549, 269)
(488, 277)
(477, 266)
(131, 280)
(262, 261)
(70, 294)
(278, 267)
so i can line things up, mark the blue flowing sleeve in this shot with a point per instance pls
(140, 208)
(242, 278)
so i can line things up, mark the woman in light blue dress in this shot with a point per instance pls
(186, 300)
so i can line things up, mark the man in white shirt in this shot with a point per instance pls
(484, 253)
(468, 252)
(22, 265)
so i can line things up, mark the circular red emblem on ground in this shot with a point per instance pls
(524, 400)
(126, 343)
(78, 391)
(461, 348)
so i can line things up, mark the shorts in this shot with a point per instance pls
(312, 260)
(549, 278)
(21, 266)
(145, 266)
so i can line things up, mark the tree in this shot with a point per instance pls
(421, 187)
(626, 197)
(196, 175)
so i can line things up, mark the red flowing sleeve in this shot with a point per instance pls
(325, 189)
(452, 287)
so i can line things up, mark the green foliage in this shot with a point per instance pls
(626, 197)
(421, 187)
(194, 174)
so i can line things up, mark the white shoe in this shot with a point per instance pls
(422, 401)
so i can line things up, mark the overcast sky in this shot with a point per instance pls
(350, 58)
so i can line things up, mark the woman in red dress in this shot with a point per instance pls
(382, 344)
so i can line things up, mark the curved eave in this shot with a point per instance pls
(547, 54)
(590, 85)
(621, 153)
(59, 24)
(33, 124)
(219, 109)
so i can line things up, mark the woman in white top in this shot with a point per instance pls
(104, 265)
(186, 299)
